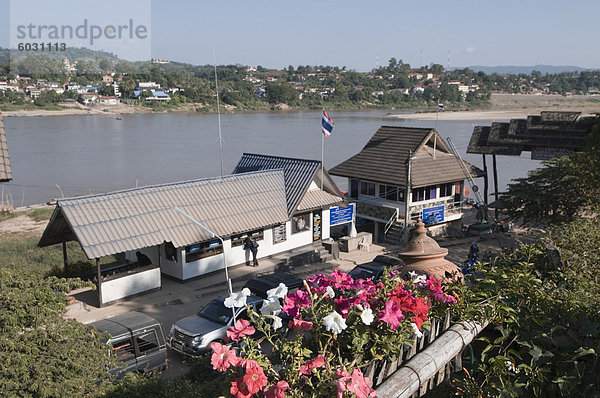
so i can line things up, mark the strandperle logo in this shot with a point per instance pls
(84, 31)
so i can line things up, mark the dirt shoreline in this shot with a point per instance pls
(502, 107)
(517, 106)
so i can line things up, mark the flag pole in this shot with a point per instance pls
(322, 156)
(437, 114)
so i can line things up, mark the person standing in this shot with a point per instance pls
(251, 245)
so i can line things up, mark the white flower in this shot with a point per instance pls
(236, 300)
(329, 291)
(277, 322)
(367, 316)
(415, 329)
(418, 279)
(280, 291)
(334, 323)
(271, 306)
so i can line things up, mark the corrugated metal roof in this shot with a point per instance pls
(5, 170)
(132, 219)
(298, 173)
(315, 199)
(384, 159)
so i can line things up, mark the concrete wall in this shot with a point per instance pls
(125, 285)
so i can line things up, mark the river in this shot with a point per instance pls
(58, 156)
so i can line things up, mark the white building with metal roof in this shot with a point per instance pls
(283, 205)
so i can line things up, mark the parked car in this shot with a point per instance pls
(374, 269)
(192, 335)
(137, 340)
(259, 286)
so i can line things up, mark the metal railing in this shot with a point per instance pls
(391, 221)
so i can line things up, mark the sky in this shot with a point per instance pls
(355, 34)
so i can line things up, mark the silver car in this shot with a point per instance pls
(192, 335)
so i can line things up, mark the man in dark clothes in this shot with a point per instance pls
(142, 259)
(251, 245)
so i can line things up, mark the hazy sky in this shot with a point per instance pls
(276, 34)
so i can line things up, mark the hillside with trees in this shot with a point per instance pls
(395, 85)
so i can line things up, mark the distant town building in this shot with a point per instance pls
(108, 100)
(87, 98)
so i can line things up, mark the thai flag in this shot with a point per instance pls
(440, 106)
(326, 124)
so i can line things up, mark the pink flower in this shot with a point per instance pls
(359, 385)
(299, 324)
(391, 314)
(239, 389)
(222, 357)
(312, 364)
(278, 391)
(295, 301)
(240, 330)
(248, 363)
(343, 378)
(433, 284)
(342, 305)
(341, 279)
(318, 283)
(255, 379)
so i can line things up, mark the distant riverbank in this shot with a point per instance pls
(509, 106)
(501, 107)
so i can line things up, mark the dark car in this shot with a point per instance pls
(374, 269)
(192, 335)
(259, 286)
(137, 340)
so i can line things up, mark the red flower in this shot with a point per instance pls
(241, 329)
(239, 389)
(342, 305)
(278, 391)
(255, 379)
(299, 324)
(312, 364)
(341, 279)
(223, 357)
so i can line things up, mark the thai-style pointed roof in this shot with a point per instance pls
(384, 159)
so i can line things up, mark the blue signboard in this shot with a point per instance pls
(341, 215)
(433, 215)
(194, 248)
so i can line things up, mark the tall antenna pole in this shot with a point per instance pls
(218, 110)
(448, 67)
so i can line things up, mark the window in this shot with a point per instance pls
(203, 249)
(430, 192)
(425, 193)
(446, 190)
(238, 240)
(354, 188)
(391, 192)
(123, 349)
(147, 342)
(367, 188)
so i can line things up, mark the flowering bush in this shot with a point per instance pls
(336, 326)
